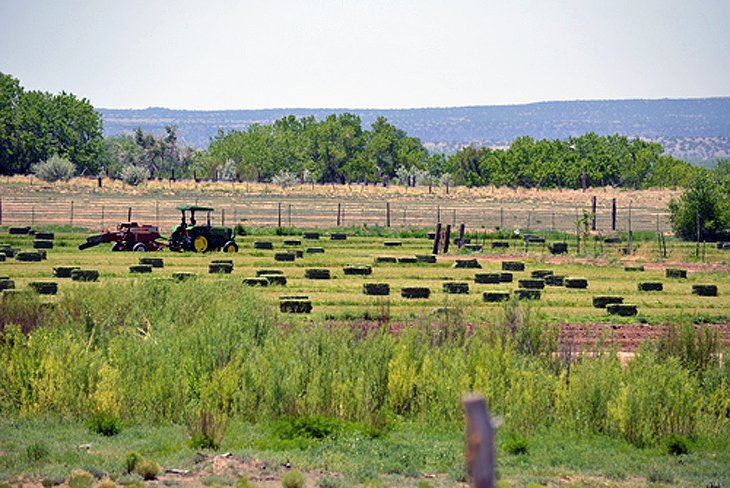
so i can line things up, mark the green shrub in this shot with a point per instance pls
(80, 479)
(676, 445)
(293, 479)
(516, 446)
(207, 430)
(134, 175)
(148, 470)
(105, 424)
(244, 482)
(37, 451)
(54, 168)
(659, 474)
(131, 461)
(328, 482)
(107, 483)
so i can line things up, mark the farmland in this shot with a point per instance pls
(377, 378)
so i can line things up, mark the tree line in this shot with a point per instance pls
(36, 125)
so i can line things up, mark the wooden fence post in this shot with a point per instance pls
(279, 215)
(613, 214)
(290, 215)
(479, 442)
(71, 219)
(387, 214)
(593, 211)
(129, 214)
(437, 239)
(630, 235)
(1, 210)
(339, 214)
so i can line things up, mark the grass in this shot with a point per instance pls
(404, 456)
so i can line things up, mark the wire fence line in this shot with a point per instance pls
(99, 211)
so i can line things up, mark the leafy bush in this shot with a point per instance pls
(148, 470)
(80, 479)
(131, 461)
(105, 424)
(37, 451)
(516, 446)
(244, 482)
(705, 201)
(293, 479)
(676, 445)
(134, 175)
(284, 179)
(55, 168)
(207, 430)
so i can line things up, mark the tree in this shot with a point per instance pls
(703, 203)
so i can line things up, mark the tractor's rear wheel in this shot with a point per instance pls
(200, 243)
(117, 247)
(230, 246)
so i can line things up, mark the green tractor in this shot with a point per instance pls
(189, 236)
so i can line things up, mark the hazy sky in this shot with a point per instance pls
(221, 54)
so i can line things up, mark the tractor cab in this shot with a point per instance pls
(190, 236)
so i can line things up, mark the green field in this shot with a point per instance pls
(337, 395)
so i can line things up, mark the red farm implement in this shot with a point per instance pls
(129, 236)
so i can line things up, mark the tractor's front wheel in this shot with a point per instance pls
(200, 243)
(140, 247)
(230, 246)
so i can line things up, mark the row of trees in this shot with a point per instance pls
(36, 125)
(339, 150)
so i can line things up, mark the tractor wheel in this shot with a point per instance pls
(140, 247)
(200, 243)
(117, 246)
(230, 246)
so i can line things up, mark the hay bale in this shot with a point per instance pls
(431, 236)
(224, 268)
(314, 250)
(704, 290)
(263, 245)
(222, 261)
(44, 287)
(64, 271)
(29, 256)
(558, 248)
(312, 236)
(260, 281)
(426, 258)
(634, 268)
(43, 253)
(579, 283)
(456, 287)
(284, 256)
(500, 244)
(612, 240)
(723, 245)
(675, 273)
(376, 289)
(293, 242)
(473, 247)
(294, 297)
(42, 244)
(495, 296)
(534, 239)
(19, 230)
(140, 268)
(505, 277)
(490, 278)
(527, 294)
(407, 260)
(358, 269)
(415, 292)
(84, 275)
(338, 237)
(274, 279)
(532, 284)
(261, 272)
(45, 236)
(317, 273)
(601, 301)
(650, 286)
(392, 243)
(555, 280)
(622, 309)
(7, 284)
(295, 306)
(183, 276)
(385, 259)
(7, 250)
(467, 263)
(2, 257)
(513, 266)
(541, 273)
(154, 262)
